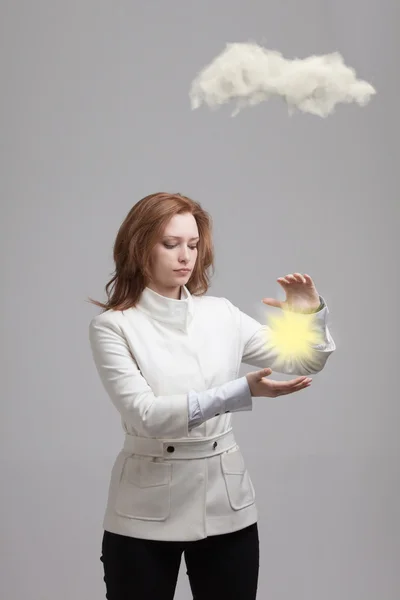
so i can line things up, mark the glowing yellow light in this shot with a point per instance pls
(293, 334)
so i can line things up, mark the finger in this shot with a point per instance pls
(288, 385)
(282, 386)
(299, 277)
(308, 279)
(298, 380)
(293, 381)
(283, 281)
(264, 372)
(302, 385)
(272, 302)
(296, 388)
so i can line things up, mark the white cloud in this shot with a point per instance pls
(249, 74)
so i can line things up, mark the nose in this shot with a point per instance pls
(184, 255)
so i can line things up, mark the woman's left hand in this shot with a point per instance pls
(301, 294)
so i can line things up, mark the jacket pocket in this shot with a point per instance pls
(144, 490)
(239, 486)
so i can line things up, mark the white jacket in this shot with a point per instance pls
(171, 481)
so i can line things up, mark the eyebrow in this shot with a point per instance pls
(176, 237)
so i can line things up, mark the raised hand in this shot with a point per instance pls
(301, 294)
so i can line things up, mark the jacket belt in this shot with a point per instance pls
(185, 448)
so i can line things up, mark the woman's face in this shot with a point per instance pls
(177, 249)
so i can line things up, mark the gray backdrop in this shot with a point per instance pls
(95, 114)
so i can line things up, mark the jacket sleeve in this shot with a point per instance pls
(168, 416)
(232, 396)
(260, 352)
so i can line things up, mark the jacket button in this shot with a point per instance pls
(215, 445)
(170, 449)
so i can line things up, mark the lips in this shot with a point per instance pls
(182, 270)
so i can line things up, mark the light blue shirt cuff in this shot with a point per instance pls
(232, 396)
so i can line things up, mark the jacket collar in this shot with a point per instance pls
(177, 313)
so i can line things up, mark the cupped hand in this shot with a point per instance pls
(260, 386)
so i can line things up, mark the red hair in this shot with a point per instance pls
(139, 233)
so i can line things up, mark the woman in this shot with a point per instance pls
(168, 357)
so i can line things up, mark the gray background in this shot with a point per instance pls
(95, 114)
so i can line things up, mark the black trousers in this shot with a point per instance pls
(221, 567)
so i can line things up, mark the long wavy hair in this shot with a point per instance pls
(139, 233)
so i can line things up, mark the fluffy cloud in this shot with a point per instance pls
(248, 74)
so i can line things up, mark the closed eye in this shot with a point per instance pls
(169, 246)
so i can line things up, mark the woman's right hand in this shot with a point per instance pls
(268, 388)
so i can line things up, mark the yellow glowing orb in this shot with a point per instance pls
(294, 334)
